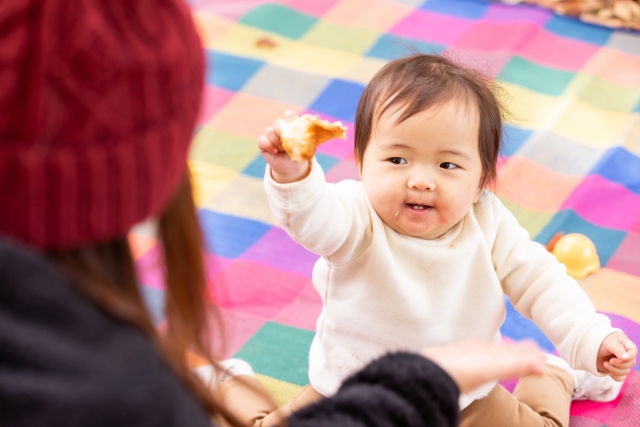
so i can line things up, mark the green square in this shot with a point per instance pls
(339, 37)
(604, 94)
(223, 149)
(279, 351)
(279, 19)
(532, 221)
(536, 77)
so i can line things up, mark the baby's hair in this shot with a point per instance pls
(418, 82)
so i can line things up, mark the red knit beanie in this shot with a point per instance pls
(98, 103)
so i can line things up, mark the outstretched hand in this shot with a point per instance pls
(617, 356)
(283, 169)
(474, 363)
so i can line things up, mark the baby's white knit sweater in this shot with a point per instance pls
(384, 291)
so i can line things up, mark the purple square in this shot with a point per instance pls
(276, 249)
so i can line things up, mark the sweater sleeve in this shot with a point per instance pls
(331, 220)
(541, 290)
(398, 389)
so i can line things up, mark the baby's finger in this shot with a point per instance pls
(265, 144)
(616, 372)
(630, 346)
(274, 137)
(616, 347)
(289, 113)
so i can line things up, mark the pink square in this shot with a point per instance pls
(604, 203)
(343, 170)
(230, 9)
(627, 256)
(276, 249)
(256, 289)
(600, 411)
(488, 36)
(311, 7)
(213, 99)
(431, 27)
(519, 13)
(238, 329)
(150, 268)
(488, 63)
(555, 51)
(304, 310)
(215, 264)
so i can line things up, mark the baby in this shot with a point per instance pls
(419, 253)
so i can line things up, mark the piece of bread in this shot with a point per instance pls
(301, 135)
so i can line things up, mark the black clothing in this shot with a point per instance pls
(66, 362)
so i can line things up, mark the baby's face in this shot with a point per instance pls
(423, 175)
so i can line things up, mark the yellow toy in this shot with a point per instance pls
(577, 252)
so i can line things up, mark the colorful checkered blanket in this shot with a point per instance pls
(571, 163)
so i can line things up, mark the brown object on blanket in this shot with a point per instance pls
(609, 13)
(301, 135)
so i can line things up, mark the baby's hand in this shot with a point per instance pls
(617, 356)
(283, 169)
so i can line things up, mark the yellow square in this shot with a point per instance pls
(244, 197)
(316, 59)
(253, 42)
(364, 70)
(590, 125)
(212, 28)
(341, 37)
(527, 108)
(283, 391)
(208, 180)
(249, 115)
(532, 221)
(631, 134)
(379, 15)
(223, 149)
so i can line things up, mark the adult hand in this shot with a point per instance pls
(283, 169)
(473, 363)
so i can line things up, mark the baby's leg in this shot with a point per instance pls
(538, 400)
(252, 404)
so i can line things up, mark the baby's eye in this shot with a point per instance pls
(397, 160)
(448, 165)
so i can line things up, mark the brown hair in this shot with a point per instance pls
(105, 273)
(419, 82)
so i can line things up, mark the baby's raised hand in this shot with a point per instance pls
(617, 356)
(283, 169)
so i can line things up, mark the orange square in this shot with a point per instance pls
(532, 186)
(377, 15)
(249, 115)
(615, 66)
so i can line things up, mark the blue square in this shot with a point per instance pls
(472, 9)
(567, 221)
(257, 167)
(229, 71)
(513, 137)
(570, 27)
(229, 236)
(391, 47)
(155, 302)
(517, 327)
(636, 109)
(340, 99)
(621, 166)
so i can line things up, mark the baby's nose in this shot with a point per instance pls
(422, 182)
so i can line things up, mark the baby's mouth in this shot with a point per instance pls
(417, 207)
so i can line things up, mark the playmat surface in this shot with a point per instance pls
(571, 163)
